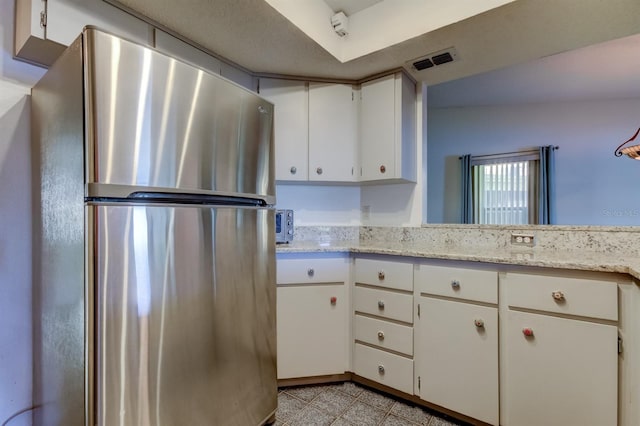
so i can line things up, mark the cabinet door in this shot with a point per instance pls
(291, 126)
(458, 360)
(66, 18)
(312, 339)
(378, 132)
(333, 132)
(564, 374)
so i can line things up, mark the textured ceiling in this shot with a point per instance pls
(253, 35)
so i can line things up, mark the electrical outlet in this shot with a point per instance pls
(527, 240)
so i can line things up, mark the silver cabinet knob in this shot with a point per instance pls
(455, 284)
(380, 304)
(558, 296)
(311, 272)
(380, 335)
(381, 369)
(293, 170)
(319, 170)
(479, 322)
(381, 275)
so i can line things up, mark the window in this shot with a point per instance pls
(505, 188)
(509, 189)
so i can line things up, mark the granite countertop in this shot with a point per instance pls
(561, 259)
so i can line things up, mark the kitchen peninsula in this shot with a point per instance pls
(456, 318)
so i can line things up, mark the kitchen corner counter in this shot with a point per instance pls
(537, 257)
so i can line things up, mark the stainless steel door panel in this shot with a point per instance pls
(185, 314)
(155, 121)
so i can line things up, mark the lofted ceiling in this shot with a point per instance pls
(253, 35)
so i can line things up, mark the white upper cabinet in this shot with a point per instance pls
(291, 126)
(388, 129)
(45, 28)
(333, 133)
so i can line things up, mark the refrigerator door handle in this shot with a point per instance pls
(100, 192)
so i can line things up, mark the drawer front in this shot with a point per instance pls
(309, 271)
(459, 283)
(383, 367)
(565, 295)
(395, 337)
(395, 275)
(382, 303)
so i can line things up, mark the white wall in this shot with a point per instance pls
(320, 205)
(593, 187)
(16, 78)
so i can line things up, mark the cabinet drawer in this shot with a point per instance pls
(308, 271)
(384, 334)
(382, 303)
(383, 367)
(383, 273)
(460, 283)
(566, 295)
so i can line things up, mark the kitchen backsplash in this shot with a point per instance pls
(558, 238)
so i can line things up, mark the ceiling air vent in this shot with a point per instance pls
(434, 59)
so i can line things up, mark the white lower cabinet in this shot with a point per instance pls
(457, 340)
(312, 330)
(457, 353)
(383, 322)
(559, 359)
(312, 315)
(564, 373)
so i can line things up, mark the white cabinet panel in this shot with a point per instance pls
(333, 132)
(291, 126)
(383, 367)
(384, 303)
(384, 273)
(457, 282)
(564, 295)
(312, 270)
(566, 373)
(312, 339)
(458, 360)
(384, 334)
(388, 129)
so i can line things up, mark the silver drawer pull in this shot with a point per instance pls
(293, 170)
(455, 284)
(380, 335)
(558, 296)
(311, 272)
(381, 275)
(381, 369)
(479, 322)
(319, 170)
(380, 304)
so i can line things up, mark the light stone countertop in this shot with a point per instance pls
(561, 259)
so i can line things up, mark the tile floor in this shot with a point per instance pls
(349, 404)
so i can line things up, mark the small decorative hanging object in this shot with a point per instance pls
(632, 151)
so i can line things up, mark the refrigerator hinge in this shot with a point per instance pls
(418, 310)
(619, 344)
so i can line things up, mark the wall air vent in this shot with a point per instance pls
(433, 59)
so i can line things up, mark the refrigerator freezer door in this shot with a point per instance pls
(157, 122)
(185, 315)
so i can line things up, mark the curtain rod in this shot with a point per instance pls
(525, 152)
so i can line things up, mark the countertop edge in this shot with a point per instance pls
(504, 257)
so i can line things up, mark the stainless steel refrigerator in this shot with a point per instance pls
(154, 252)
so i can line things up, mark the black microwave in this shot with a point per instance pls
(284, 226)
